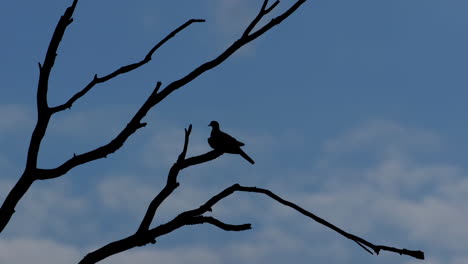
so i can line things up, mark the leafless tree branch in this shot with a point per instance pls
(51, 54)
(171, 183)
(43, 116)
(201, 158)
(226, 54)
(218, 223)
(144, 235)
(31, 172)
(363, 243)
(157, 97)
(123, 69)
(263, 11)
(195, 217)
(103, 151)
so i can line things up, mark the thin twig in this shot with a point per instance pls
(123, 69)
(43, 117)
(218, 223)
(170, 186)
(363, 243)
(155, 98)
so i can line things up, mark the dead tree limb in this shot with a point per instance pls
(172, 183)
(360, 241)
(123, 69)
(32, 172)
(43, 117)
(145, 235)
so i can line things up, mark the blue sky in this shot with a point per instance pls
(354, 110)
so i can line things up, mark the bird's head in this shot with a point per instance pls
(214, 124)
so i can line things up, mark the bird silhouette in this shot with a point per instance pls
(223, 142)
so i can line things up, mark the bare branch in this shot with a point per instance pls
(363, 247)
(155, 98)
(184, 151)
(201, 158)
(268, 10)
(195, 217)
(144, 235)
(8, 207)
(206, 207)
(43, 116)
(275, 21)
(44, 174)
(416, 254)
(255, 21)
(171, 185)
(226, 54)
(263, 11)
(103, 151)
(363, 243)
(123, 69)
(141, 238)
(218, 223)
(49, 59)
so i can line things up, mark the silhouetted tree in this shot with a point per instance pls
(144, 234)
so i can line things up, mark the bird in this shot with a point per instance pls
(225, 143)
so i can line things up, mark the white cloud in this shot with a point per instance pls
(126, 193)
(98, 123)
(420, 205)
(421, 202)
(50, 210)
(15, 117)
(232, 16)
(39, 251)
(181, 255)
(396, 191)
(434, 219)
(382, 137)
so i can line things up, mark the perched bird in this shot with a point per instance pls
(223, 142)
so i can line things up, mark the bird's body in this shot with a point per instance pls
(223, 142)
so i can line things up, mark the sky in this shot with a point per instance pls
(354, 110)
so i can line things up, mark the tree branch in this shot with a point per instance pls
(103, 151)
(171, 185)
(275, 21)
(263, 11)
(149, 236)
(157, 97)
(363, 243)
(195, 217)
(218, 223)
(224, 55)
(123, 69)
(142, 238)
(51, 54)
(43, 116)
(201, 158)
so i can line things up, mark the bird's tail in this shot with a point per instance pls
(245, 156)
